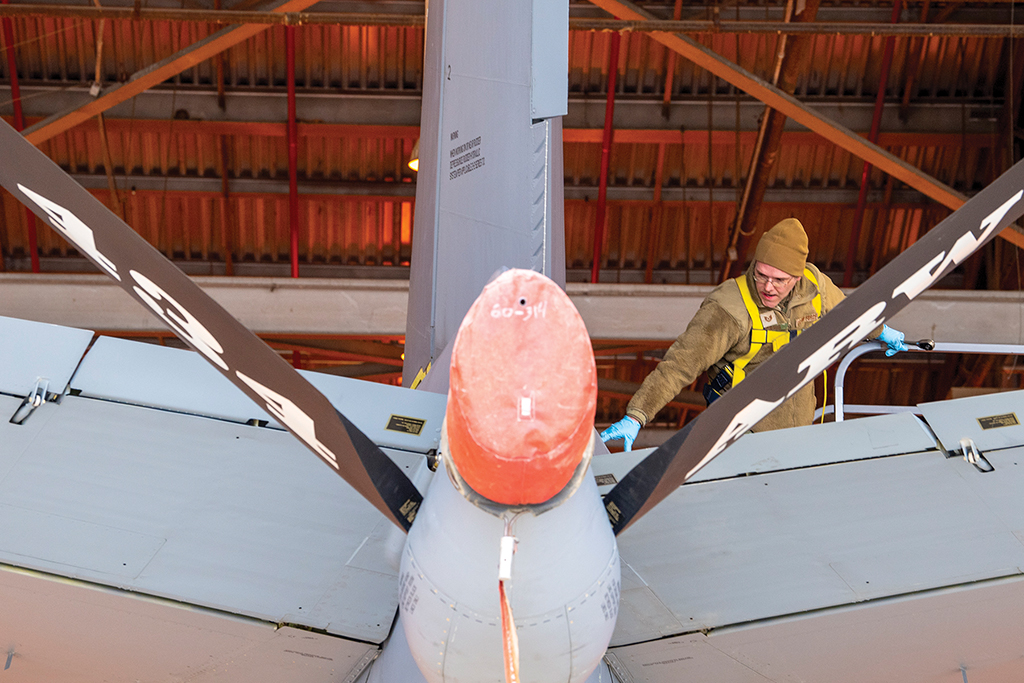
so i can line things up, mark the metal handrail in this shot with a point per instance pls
(937, 347)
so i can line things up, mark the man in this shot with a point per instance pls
(741, 324)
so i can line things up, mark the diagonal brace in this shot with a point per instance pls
(155, 74)
(794, 109)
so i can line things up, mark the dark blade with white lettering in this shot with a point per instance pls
(201, 323)
(877, 300)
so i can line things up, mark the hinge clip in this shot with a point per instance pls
(35, 398)
(974, 456)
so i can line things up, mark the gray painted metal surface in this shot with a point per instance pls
(776, 451)
(929, 637)
(37, 350)
(395, 662)
(891, 565)
(684, 658)
(385, 411)
(487, 170)
(788, 542)
(151, 375)
(549, 59)
(420, 346)
(821, 444)
(565, 580)
(992, 421)
(196, 319)
(396, 665)
(181, 380)
(55, 629)
(205, 512)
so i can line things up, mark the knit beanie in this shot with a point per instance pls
(784, 247)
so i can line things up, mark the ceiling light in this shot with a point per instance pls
(414, 158)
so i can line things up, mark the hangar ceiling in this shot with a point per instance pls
(176, 115)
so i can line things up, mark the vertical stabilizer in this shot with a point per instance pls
(489, 191)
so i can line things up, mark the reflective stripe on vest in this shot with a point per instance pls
(760, 336)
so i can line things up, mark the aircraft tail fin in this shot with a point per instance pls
(489, 187)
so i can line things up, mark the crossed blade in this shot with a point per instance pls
(199, 321)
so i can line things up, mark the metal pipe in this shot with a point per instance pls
(606, 150)
(915, 52)
(656, 214)
(839, 28)
(754, 186)
(940, 347)
(876, 122)
(226, 213)
(226, 17)
(293, 148)
(19, 125)
(788, 70)
(219, 61)
(670, 67)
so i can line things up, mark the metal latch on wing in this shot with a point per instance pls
(974, 456)
(35, 398)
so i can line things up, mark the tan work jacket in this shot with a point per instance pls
(720, 333)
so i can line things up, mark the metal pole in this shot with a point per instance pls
(790, 66)
(226, 213)
(606, 150)
(654, 230)
(293, 149)
(940, 347)
(876, 121)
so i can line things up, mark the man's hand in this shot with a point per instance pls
(893, 339)
(626, 429)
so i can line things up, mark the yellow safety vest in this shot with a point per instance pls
(760, 336)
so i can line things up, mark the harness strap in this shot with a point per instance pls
(760, 336)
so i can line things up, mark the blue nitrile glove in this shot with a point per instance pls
(893, 339)
(626, 429)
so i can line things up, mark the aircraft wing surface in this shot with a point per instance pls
(153, 507)
(850, 551)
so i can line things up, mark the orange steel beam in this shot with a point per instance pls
(321, 198)
(280, 130)
(155, 74)
(794, 109)
(298, 18)
(574, 135)
(790, 106)
(725, 137)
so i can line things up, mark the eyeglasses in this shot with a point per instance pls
(776, 282)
